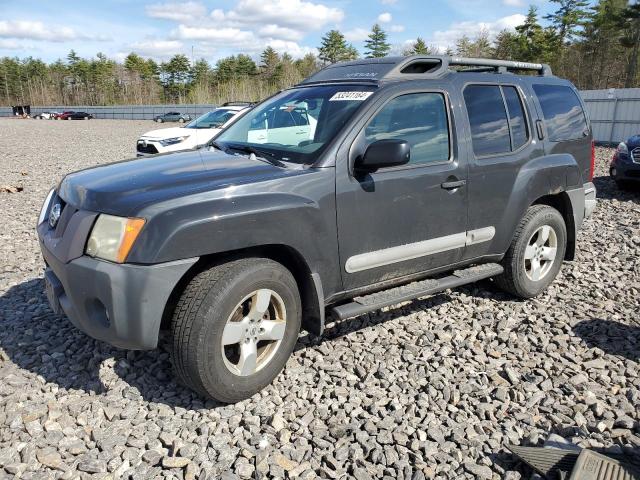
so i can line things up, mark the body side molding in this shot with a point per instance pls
(401, 253)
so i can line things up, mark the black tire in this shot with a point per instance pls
(200, 318)
(181, 120)
(515, 278)
(159, 120)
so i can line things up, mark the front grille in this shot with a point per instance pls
(148, 148)
(635, 155)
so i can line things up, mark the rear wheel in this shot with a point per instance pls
(159, 120)
(234, 328)
(86, 118)
(536, 252)
(181, 120)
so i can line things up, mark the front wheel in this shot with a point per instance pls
(536, 252)
(234, 328)
(181, 120)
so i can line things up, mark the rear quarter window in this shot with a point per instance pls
(563, 114)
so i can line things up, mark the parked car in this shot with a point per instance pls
(62, 115)
(194, 134)
(44, 115)
(417, 178)
(625, 164)
(172, 117)
(75, 116)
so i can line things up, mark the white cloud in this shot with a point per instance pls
(513, 3)
(157, 48)
(275, 31)
(447, 38)
(356, 35)
(228, 36)
(11, 44)
(292, 48)
(385, 17)
(35, 30)
(295, 14)
(185, 12)
(396, 28)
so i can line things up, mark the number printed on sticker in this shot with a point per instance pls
(350, 96)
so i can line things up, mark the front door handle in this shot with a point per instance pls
(453, 185)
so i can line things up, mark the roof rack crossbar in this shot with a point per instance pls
(541, 68)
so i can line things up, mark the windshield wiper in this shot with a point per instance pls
(259, 153)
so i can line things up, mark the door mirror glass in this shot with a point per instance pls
(384, 153)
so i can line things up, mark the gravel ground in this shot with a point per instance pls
(435, 388)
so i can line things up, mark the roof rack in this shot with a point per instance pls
(418, 67)
(501, 65)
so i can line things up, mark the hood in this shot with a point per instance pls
(122, 188)
(163, 133)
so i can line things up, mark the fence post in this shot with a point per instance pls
(613, 119)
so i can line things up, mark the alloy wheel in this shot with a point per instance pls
(253, 332)
(540, 253)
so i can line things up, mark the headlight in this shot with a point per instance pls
(622, 148)
(45, 207)
(172, 141)
(112, 237)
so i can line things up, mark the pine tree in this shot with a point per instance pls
(630, 23)
(334, 48)
(419, 47)
(270, 63)
(505, 45)
(463, 46)
(201, 71)
(377, 45)
(570, 16)
(307, 65)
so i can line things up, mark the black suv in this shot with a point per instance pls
(407, 176)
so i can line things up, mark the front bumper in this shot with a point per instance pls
(121, 304)
(625, 168)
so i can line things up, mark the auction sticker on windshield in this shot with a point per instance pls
(352, 96)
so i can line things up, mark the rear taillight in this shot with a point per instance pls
(592, 167)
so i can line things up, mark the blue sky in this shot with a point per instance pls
(214, 29)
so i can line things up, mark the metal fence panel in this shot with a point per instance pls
(130, 112)
(614, 113)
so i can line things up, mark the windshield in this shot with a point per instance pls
(215, 119)
(297, 124)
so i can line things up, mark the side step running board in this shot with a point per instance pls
(403, 293)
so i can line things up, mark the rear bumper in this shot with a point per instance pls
(583, 203)
(121, 304)
(589, 199)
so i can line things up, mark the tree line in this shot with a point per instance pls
(593, 46)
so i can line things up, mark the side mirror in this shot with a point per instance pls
(384, 153)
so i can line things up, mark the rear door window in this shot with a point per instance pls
(497, 119)
(517, 118)
(488, 120)
(563, 114)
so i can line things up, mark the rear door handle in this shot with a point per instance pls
(540, 129)
(453, 185)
